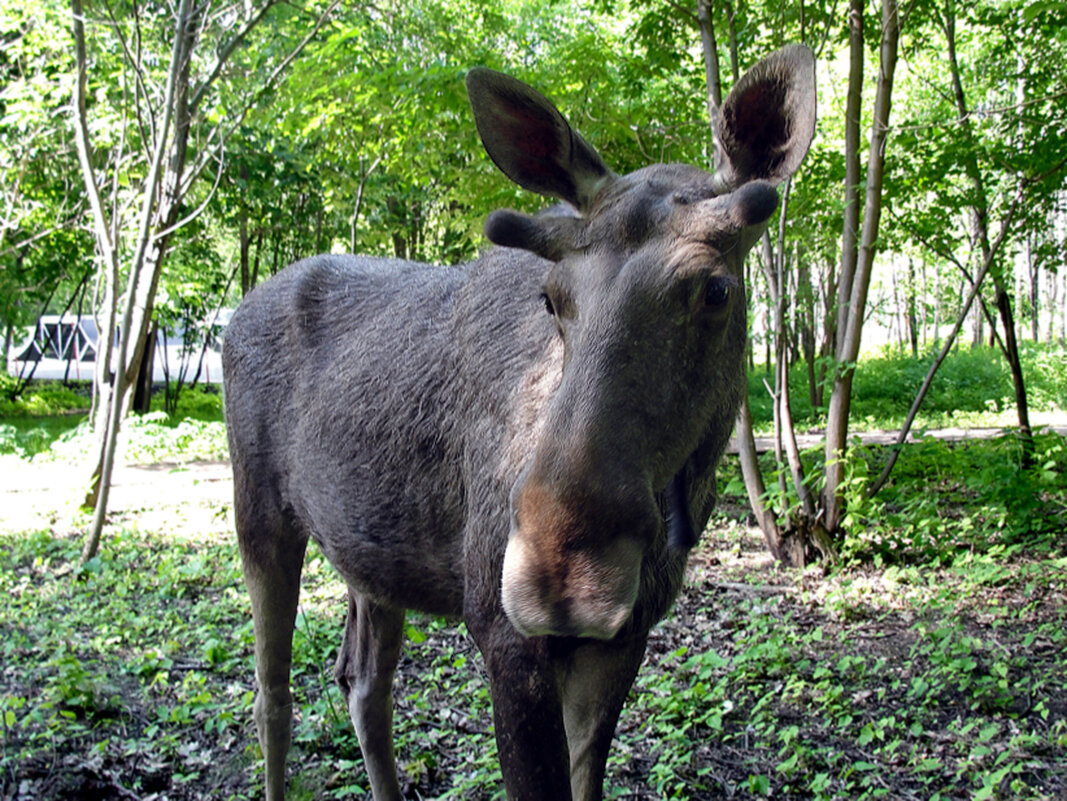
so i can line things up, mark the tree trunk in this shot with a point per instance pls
(913, 317)
(711, 74)
(853, 172)
(254, 278)
(1033, 269)
(806, 324)
(1053, 281)
(357, 207)
(988, 250)
(244, 242)
(849, 337)
(1011, 353)
(754, 486)
(142, 391)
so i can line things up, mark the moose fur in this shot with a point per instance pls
(527, 441)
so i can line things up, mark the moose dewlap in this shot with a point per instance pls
(527, 441)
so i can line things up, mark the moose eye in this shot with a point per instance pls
(717, 293)
(548, 304)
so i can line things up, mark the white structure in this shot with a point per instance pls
(64, 348)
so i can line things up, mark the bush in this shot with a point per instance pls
(202, 402)
(950, 500)
(41, 398)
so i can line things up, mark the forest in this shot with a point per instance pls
(877, 608)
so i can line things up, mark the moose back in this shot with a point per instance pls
(527, 441)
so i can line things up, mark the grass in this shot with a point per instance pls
(972, 387)
(945, 500)
(50, 422)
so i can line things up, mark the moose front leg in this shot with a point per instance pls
(595, 683)
(374, 635)
(272, 557)
(527, 713)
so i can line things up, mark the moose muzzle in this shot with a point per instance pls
(572, 567)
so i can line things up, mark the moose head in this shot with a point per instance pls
(646, 293)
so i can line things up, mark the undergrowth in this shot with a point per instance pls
(134, 673)
(49, 421)
(972, 387)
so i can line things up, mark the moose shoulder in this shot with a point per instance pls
(527, 441)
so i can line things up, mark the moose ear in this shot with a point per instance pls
(550, 237)
(768, 120)
(531, 142)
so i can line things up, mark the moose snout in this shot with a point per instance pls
(572, 567)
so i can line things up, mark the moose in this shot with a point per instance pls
(527, 442)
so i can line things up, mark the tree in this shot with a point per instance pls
(796, 533)
(856, 266)
(998, 172)
(165, 140)
(41, 243)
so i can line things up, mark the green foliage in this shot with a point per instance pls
(814, 711)
(32, 427)
(41, 398)
(41, 415)
(971, 381)
(947, 501)
(147, 651)
(155, 437)
(43, 245)
(942, 664)
(202, 403)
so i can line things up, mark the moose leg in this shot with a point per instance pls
(272, 568)
(597, 679)
(527, 714)
(365, 666)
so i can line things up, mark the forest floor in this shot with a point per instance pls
(928, 682)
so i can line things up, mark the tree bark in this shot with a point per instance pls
(853, 171)
(710, 49)
(244, 241)
(142, 391)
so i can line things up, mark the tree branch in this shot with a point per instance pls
(224, 135)
(81, 137)
(224, 54)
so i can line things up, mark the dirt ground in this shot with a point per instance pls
(46, 494)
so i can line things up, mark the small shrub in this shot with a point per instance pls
(42, 398)
(202, 402)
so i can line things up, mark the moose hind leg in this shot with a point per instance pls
(272, 575)
(365, 667)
